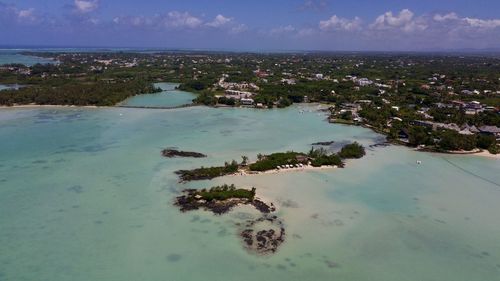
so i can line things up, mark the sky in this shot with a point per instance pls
(332, 25)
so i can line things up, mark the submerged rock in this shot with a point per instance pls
(324, 143)
(260, 236)
(171, 153)
(264, 239)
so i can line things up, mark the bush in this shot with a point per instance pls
(331, 160)
(452, 140)
(227, 101)
(284, 102)
(352, 151)
(493, 149)
(205, 98)
(485, 141)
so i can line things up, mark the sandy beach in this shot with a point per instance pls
(485, 153)
(244, 172)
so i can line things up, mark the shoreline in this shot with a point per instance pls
(245, 172)
(51, 106)
(479, 152)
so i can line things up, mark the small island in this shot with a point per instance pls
(281, 161)
(208, 173)
(171, 153)
(260, 236)
(220, 200)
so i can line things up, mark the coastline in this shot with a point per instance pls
(51, 106)
(479, 152)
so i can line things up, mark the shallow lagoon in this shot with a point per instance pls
(169, 97)
(86, 195)
(14, 56)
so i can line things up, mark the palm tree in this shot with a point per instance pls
(245, 159)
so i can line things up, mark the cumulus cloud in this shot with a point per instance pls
(405, 21)
(10, 14)
(86, 6)
(446, 17)
(337, 23)
(177, 19)
(400, 30)
(482, 24)
(219, 21)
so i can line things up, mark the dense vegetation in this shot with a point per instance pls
(225, 192)
(352, 151)
(208, 173)
(320, 157)
(315, 157)
(270, 162)
(81, 94)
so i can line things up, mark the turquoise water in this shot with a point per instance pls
(14, 56)
(86, 195)
(170, 97)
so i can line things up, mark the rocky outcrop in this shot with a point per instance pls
(171, 153)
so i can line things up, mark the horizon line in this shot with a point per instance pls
(180, 49)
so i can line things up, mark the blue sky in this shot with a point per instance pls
(253, 25)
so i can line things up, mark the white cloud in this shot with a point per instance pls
(26, 14)
(219, 21)
(404, 21)
(337, 23)
(135, 21)
(10, 14)
(177, 19)
(481, 23)
(446, 17)
(86, 6)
